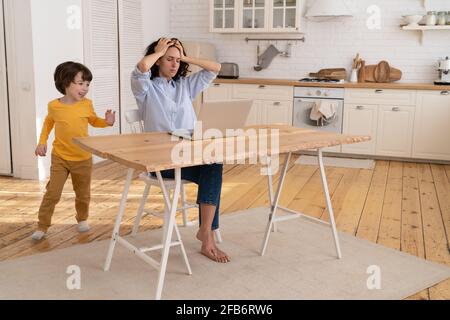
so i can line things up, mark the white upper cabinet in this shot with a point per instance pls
(284, 15)
(255, 16)
(224, 15)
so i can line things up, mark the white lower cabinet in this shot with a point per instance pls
(218, 92)
(254, 116)
(361, 120)
(271, 104)
(432, 126)
(276, 112)
(395, 131)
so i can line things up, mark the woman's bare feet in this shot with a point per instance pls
(209, 248)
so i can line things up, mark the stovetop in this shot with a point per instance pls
(321, 80)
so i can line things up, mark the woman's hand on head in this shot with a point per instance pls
(181, 49)
(163, 45)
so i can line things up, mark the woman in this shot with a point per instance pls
(164, 96)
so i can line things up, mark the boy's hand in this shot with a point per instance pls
(41, 150)
(110, 117)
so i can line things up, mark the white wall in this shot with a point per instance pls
(328, 44)
(156, 20)
(57, 37)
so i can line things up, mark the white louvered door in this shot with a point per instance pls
(130, 52)
(101, 55)
(5, 145)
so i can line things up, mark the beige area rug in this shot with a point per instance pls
(338, 162)
(300, 264)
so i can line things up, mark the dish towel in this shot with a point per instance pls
(267, 57)
(322, 111)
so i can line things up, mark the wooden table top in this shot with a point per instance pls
(150, 152)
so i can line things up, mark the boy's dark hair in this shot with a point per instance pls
(66, 72)
(184, 67)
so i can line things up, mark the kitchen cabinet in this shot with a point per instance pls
(224, 15)
(218, 92)
(395, 131)
(272, 104)
(276, 112)
(361, 120)
(284, 15)
(432, 126)
(255, 16)
(385, 115)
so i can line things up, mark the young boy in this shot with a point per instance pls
(70, 115)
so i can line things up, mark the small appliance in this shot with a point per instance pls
(444, 72)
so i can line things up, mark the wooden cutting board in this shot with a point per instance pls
(333, 73)
(382, 73)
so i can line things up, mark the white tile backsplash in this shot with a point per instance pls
(328, 44)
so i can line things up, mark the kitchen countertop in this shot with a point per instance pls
(296, 83)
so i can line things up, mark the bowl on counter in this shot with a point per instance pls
(413, 19)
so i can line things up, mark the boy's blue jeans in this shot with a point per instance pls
(209, 181)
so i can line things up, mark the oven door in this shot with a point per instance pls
(302, 113)
(302, 118)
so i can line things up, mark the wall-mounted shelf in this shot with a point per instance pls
(422, 29)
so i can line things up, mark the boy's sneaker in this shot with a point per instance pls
(38, 235)
(83, 227)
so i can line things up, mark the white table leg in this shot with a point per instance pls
(140, 211)
(119, 218)
(270, 187)
(275, 204)
(328, 201)
(167, 207)
(168, 234)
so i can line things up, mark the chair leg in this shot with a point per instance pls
(218, 236)
(137, 221)
(184, 204)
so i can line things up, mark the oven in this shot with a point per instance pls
(305, 98)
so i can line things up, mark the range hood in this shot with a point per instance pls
(328, 9)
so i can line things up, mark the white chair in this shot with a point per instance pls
(134, 119)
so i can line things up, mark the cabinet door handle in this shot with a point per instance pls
(216, 84)
(378, 91)
(360, 108)
(396, 109)
(277, 103)
(262, 86)
(445, 93)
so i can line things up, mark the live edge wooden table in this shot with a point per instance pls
(153, 152)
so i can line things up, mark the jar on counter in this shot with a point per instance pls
(442, 18)
(431, 18)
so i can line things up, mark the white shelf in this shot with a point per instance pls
(422, 29)
(425, 28)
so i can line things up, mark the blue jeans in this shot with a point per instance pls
(209, 181)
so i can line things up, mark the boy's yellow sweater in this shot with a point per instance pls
(70, 121)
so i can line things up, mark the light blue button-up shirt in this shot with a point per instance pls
(167, 105)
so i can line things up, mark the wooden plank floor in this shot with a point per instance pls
(404, 206)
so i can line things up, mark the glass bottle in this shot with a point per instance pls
(431, 18)
(442, 18)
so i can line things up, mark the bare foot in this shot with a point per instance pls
(209, 248)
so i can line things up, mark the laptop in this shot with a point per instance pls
(218, 116)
